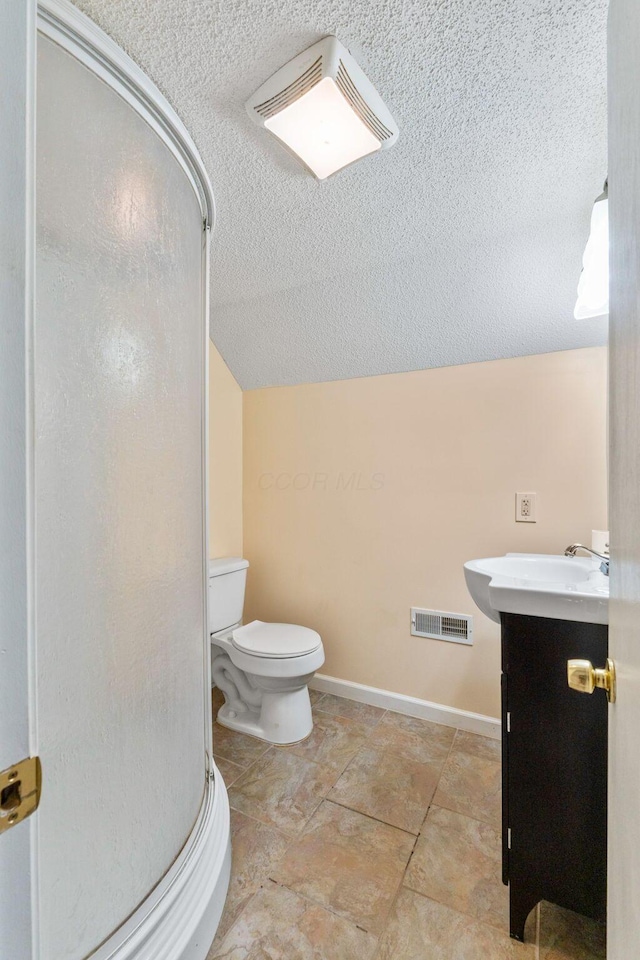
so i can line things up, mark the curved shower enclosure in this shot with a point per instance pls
(130, 845)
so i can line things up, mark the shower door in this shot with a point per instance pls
(116, 463)
(120, 588)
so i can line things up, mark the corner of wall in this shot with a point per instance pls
(225, 459)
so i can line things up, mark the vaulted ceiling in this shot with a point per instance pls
(461, 243)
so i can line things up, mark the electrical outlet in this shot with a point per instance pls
(525, 508)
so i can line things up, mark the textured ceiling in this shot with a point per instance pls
(461, 243)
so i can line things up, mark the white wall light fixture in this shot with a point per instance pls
(324, 110)
(593, 285)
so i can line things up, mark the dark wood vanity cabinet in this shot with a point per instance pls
(554, 773)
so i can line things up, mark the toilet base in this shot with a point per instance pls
(284, 717)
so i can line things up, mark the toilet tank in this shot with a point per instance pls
(227, 580)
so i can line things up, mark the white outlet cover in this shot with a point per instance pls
(525, 508)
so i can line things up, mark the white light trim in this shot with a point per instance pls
(593, 285)
(322, 129)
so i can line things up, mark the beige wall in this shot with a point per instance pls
(225, 459)
(364, 497)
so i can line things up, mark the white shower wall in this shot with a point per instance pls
(120, 516)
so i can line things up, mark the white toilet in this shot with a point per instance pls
(262, 668)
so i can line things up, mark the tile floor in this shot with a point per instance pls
(378, 838)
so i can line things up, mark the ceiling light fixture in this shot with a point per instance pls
(593, 285)
(324, 110)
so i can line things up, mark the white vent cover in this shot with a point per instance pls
(323, 109)
(457, 627)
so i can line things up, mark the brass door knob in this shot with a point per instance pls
(584, 677)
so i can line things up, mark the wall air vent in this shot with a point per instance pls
(456, 627)
(324, 109)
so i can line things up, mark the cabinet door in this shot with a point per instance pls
(505, 778)
(557, 764)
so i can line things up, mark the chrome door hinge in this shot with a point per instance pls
(509, 721)
(19, 792)
(509, 838)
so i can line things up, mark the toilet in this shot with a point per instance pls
(263, 669)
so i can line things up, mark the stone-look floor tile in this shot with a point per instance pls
(314, 696)
(412, 738)
(457, 861)
(230, 771)
(333, 741)
(422, 929)
(565, 935)
(471, 785)
(350, 709)
(483, 747)
(237, 747)
(388, 788)
(255, 848)
(348, 863)
(278, 925)
(282, 790)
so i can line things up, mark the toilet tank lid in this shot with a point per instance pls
(226, 565)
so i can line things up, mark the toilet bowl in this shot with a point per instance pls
(263, 669)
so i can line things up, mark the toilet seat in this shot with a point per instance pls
(275, 640)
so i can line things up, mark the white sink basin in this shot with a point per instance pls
(540, 585)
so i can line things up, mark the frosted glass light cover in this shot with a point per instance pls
(322, 129)
(593, 285)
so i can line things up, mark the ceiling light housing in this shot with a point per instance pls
(324, 110)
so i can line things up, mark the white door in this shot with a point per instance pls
(624, 621)
(104, 648)
(17, 51)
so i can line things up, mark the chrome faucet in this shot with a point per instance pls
(604, 561)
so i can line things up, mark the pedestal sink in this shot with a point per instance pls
(540, 585)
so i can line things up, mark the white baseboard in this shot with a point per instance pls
(410, 706)
(178, 920)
